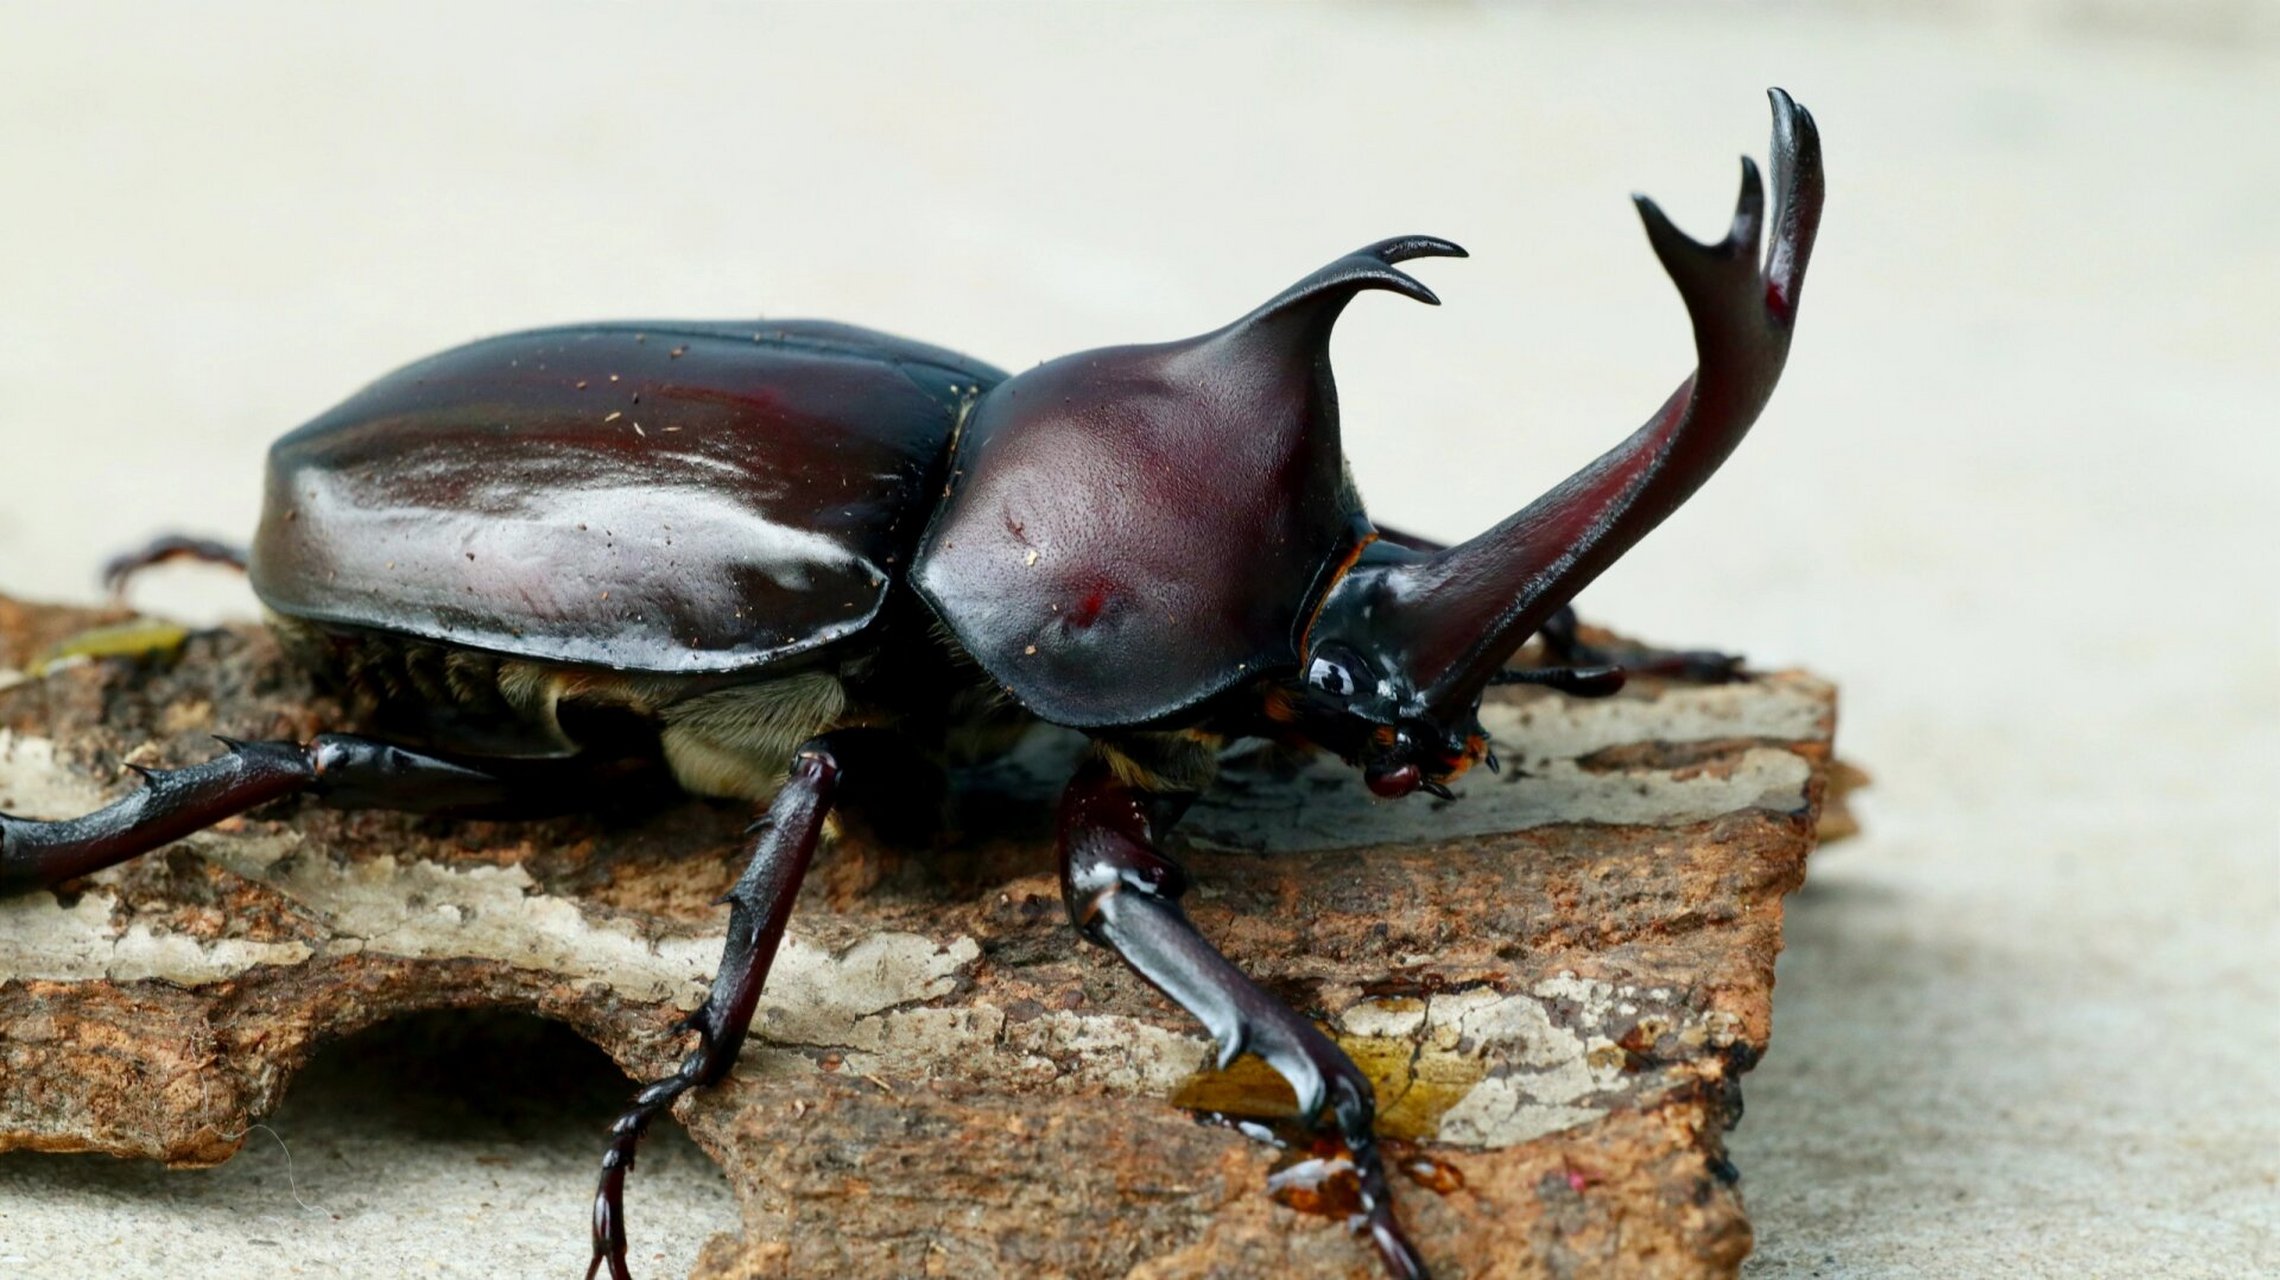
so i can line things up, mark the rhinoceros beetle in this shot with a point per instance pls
(802, 548)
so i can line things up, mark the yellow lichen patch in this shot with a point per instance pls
(1415, 1086)
(141, 639)
(1248, 1088)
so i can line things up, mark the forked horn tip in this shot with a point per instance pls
(1749, 210)
(1696, 267)
(1799, 187)
(1413, 289)
(1377, 263)
(1403, 248)
(1328, 290)
(1793, 127)
(1672, 245)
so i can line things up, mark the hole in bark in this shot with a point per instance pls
(468, 1074)
(487, 1128)
(461, 1143)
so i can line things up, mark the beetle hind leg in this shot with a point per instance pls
(1124, 895)
(171, 803)
(340, 770)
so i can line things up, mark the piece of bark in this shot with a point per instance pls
(1555, 983)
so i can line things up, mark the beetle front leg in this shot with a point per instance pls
(783, 844)
(1123, 894)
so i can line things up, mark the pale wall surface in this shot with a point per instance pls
(2015, 493)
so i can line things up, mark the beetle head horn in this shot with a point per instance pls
(1418, 635)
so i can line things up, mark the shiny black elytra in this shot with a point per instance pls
(810, 544)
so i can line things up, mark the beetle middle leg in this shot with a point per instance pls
(783, 844)
(1124, 894)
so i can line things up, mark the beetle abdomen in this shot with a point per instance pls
(669, 498)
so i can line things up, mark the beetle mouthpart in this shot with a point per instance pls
(1393, 783)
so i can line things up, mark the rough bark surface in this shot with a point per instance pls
(1555, 982)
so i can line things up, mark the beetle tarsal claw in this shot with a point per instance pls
(1234, 1041)
(1312, 1090)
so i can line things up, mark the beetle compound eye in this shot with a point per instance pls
(1330, 678)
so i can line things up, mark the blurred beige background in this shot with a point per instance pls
(2016, 492)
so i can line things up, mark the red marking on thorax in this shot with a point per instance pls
(1088, 609)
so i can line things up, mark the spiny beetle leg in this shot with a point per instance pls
(783, 844)
(1123, 894)
(121, 570)
(341, 770)
(1702, 666)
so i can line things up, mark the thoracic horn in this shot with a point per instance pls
(1447, 621)
(1317, 299)
(1179, 500)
